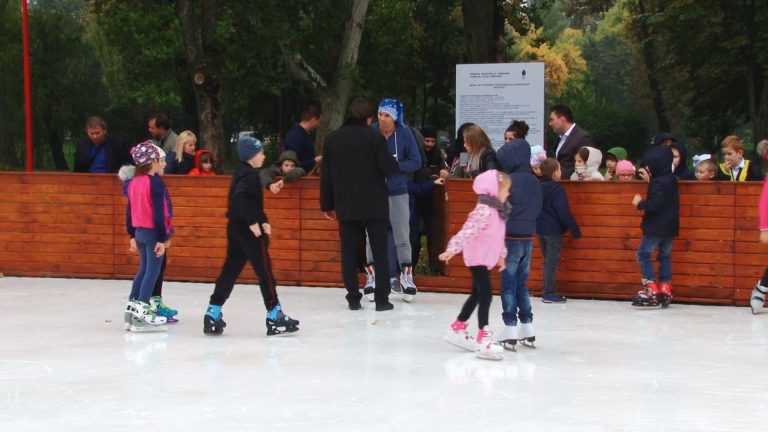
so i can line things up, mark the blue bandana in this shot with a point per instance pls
(394, 108)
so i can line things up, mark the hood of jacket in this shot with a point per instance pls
(682, 170)
(663, 136)
(658, 159)
(487, 183)
(288, 155)
(198, 155)
(619, 152)
(515, 156)
(594, 160)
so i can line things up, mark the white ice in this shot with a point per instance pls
(66, 364)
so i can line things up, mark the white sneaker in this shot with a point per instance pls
(458, 336)
(487, 348)
(407, 285)
(369, 290)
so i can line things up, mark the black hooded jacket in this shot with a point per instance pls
(662, 201)
(525, 196)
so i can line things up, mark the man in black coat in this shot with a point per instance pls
(572, 138)
(99, 152)
(353, 190)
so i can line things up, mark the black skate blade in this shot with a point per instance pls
(509, 345)
(278, 332)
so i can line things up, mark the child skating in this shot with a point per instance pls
(248, 234)
(481, 239)
(757, 300)
(660, 225)
(148, 221)
(126, 174)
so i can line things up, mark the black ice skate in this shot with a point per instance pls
(647, 297)
(213, 327)
(281, 324)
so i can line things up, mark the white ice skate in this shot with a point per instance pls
(487, 348)
(369, 290)
(757, 301)
(458, 336)
(144, 319)
(508, 337)
(130, 309)
(526, 335)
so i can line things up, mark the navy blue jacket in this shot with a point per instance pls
(118, 154)
(555, 217)
(662, 201)
(299, 140)
(172, 166)
(525, 197)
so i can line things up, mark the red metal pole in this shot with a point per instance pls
(27, 84)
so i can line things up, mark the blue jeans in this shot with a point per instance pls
(149, 267)
(514, 279)
(664, 257)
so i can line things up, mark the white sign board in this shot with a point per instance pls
(492, 95)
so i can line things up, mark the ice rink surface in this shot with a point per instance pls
(66, 364)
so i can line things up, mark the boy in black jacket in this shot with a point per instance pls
(660, 226)
(555, 218)
(248, 234)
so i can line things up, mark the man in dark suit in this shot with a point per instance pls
(572, 138)
(353, 190)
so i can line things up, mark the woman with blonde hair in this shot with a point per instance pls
(182, 160)
(481, 155)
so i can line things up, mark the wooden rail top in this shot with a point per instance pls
(73, 225)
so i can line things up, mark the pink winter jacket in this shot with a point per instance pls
(482, 235)
(762, 209)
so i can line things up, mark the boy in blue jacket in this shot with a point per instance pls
(514, 157)
(555, 218)
(661, 222)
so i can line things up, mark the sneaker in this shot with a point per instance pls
(394, 285)
(487, 348)
(553, 298)
(370, 283)
(407, 285)
(459, 336)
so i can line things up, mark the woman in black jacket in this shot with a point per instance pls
(482, 156)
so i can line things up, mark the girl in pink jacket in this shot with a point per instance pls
(757, 300)
(482, 240)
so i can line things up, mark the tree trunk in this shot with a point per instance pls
(334, 97)
(757, 81)
(485, 43)
(646, 43)
(203, 59)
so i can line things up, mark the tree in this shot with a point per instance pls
(204, 55)
(333, 90)
(10, 76)
(484, 30)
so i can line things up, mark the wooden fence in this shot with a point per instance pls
(72, 225)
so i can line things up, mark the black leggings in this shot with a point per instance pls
(243, 246)
(157, 291)
(481, 296)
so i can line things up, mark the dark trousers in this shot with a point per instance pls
(377, 234)
(422, 216)
(551, 246)
(242, 246)
(157, 291)
(481, 296)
